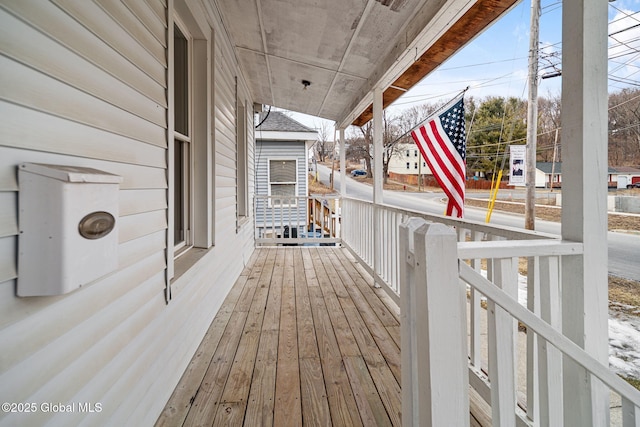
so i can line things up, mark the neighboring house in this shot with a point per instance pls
(281, 159)
(626, 175)
(407, 160)
(548, 172)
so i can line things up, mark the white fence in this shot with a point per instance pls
(371, 233)
(491, 315)
(312, 220)
(435, 272)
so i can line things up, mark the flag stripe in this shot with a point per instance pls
(448, 164)
(441, 142)
(441, 170)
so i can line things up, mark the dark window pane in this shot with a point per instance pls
(178, 193)
(180, 82)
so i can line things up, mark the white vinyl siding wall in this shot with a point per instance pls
(84, 84)
(283, 150)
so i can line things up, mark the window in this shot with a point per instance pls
(182, 152)
(408, 165)
(242, 203)
(415, 165)
(415, 153)
(283, 183)
(408, 153)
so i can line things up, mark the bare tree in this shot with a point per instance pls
(324, 147)
(358, 147)
(624, 128)
(548, 128)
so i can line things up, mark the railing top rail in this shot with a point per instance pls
(511, 233)
(311, 196)
(517, 248)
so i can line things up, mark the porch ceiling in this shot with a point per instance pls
(345, 48)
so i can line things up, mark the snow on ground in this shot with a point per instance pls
(624, 344)
(624, 337)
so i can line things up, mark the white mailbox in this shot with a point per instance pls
(68, 227)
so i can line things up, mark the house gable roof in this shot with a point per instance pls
(627, 170)
(277, 126)
(280, 122)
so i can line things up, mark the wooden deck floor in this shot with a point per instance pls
(302, 339)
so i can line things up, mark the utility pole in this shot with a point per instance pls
(532, 117)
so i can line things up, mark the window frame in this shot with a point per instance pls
(199, 154)
(186, 143)
(269, 182)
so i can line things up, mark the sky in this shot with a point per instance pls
(495, 63)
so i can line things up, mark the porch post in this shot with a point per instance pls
(343, 166)
(584, 204)
(377, 177)
(377, 146)
(435, 373)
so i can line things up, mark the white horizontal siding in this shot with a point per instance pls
(159, 8)
(17, 309)
(57, 135)
(148, 57)
(44, 93)
(70, 98)
(134, 176)
(51, 20)
(79, 358)
(51, 326)
(8, 209)
(114, 341)
(139, 225)
(25, 44)
(8, 263)
(139, 201)
(225, 143)
(151, 35)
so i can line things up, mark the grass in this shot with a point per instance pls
(634, 382)
(316, 187)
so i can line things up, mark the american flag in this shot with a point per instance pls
(442, 141)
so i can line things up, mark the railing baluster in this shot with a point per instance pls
(475, 311)
(502, 349)
(549, 357)
(630, 414)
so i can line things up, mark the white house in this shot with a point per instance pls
(281, 163)
(407, 160)
(550, 172)
(625, 175)
(150, 103)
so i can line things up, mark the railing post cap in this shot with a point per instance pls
(413, 224)
(438, 229)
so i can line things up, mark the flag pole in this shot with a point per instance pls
(462, 92)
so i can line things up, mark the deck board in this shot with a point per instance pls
(302, 339)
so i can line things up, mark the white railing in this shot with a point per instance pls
(370, 232)
(435, 272)
(312, 220)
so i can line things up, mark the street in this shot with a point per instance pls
(624, 260)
